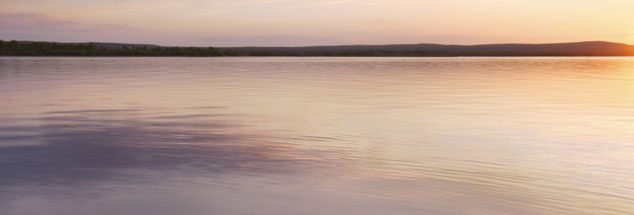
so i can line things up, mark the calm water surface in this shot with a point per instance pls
(164, 136)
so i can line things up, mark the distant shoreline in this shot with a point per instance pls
(95, 49)
(430, 57)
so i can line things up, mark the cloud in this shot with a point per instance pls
(40, 23)
(41, 27)
(305, 4)
(30, 22)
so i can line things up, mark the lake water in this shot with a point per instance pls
(163, 136)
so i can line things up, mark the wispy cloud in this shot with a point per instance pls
(25, 22)
(307, 4)
(41, 27)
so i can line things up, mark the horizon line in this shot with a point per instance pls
(303, 46)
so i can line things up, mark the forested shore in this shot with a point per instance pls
(15, 48)
(593, 48)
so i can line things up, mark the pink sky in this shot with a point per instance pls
(316, 22)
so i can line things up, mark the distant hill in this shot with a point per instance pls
(119, 45)
(591, 48)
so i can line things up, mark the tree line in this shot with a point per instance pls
(18, 48)
(15, 48)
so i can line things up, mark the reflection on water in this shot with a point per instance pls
(73, 147)
(316, 136)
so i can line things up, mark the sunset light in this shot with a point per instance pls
(318, 22)
(316, 107)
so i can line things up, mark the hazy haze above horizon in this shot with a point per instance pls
(316, 22)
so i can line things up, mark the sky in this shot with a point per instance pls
(317, 22)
